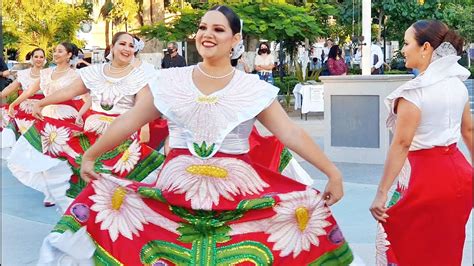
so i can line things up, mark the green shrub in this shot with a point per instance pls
(396, 72)
(289, 82)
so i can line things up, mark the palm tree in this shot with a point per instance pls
(105, 14)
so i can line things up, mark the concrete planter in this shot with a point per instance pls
(355, 115)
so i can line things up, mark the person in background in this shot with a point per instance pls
(81, 61)
(425, 221)
(173, 58)
(327, 47)
(336, 64)
(377, 59)
(4, 73)
(264, 63)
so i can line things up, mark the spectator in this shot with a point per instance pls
(4, 74)
(377, 59)
(81, 61)
(327, 46)
(172, 58)
(264, 63)
(336, 64)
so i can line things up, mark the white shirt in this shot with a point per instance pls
(441, 95)
(264, 61)
(376, 50)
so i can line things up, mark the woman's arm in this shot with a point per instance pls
(408, 119)
(25, 95)
(85, 107)
(76, 88)
(10, 88)
(295, 138)
(466, 128)
(121, 128)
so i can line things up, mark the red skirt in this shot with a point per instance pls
(59, 139)
(427, 223)
(259, 217)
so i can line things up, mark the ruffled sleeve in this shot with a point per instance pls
(442, 68)
(22, 78)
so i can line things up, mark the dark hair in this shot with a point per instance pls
(232, 17)
(260, 47)
(32, 53)
(106, 53)
(435, 33)
(70, 48)
(334, 52)
(118, 34)
(234, 62)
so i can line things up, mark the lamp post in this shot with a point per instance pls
(366, 63)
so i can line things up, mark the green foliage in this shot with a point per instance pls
(29, 24)
(181, 27)
(271, 20)
(398, 15)
(289, 82)
(123, 11)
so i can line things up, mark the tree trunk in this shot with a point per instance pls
(153, 12)
(379, 32)
(107, 29)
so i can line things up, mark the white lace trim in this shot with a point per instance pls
(444, 49)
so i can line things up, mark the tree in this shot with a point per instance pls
(29, 24)
(271, 21)
(395, 16)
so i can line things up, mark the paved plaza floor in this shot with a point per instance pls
(25, 222)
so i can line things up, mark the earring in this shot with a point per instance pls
(423, 56)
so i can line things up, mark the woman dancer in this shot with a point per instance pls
(210, 205)
(114, 88)
(27, 162)
(25, 78)
(426, 219)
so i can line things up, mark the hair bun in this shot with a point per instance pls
(455, 39)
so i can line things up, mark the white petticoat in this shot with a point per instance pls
(8, 141)
(40, 172)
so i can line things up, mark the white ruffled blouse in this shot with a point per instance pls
(25, 79)
(205, 124)
(441, 96)
(49, 86)
(112, 95)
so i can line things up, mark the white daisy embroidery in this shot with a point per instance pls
(205, 181)
(98, 123)
(121, 211)
(53, 138)
(299, 220)
(381, 246)
(60, 111)
(27, 105)
(129, 159)
(24, 125)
